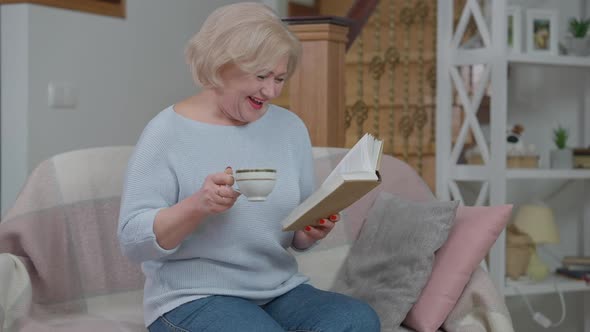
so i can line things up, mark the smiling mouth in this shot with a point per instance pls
(255, 102)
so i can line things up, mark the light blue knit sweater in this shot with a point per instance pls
(241, 252)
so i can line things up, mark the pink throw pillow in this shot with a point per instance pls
(473, 234)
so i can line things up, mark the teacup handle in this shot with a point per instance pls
(233, 187)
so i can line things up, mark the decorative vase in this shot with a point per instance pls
(578, 46)
(519, 248)
(561, 158)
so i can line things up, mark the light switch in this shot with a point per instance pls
(61, 95)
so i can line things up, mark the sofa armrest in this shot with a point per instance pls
(15, 291)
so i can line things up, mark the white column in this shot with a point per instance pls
(585, 250)
(585, 217)
(584, 238)
(444, 107)
(499, 104)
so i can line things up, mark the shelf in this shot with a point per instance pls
(469, 172)
(531, 173)
(478, 172)
(547, 286)
(499, 182)
(556, 60)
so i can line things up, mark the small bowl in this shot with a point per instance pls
(255, 184)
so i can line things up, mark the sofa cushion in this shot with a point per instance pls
(391, 261)
(321, 265)
(475, 231)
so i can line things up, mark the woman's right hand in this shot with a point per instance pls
(217, 195)
(174, 224)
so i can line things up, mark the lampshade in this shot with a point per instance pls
(538, 222)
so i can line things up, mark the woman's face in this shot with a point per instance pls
(244, 97)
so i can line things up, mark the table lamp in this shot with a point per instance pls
(538, 222)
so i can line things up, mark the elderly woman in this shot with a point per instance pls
(214, 261)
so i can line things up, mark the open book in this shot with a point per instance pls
(355, 175)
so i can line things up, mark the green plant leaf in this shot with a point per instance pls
(560, 137)
(579, 27)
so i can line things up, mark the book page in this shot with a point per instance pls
(360, 158)
(376, 154)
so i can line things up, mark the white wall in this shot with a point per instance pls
(15, 98)
(124, 71)
(279, 6)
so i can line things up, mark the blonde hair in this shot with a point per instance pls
(247, 34)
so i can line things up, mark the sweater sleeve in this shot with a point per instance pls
(307, 178)
(150, 185)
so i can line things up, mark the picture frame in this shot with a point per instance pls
(115, 8)
(514, 29)
(542, 31)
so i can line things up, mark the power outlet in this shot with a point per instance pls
(61, 95)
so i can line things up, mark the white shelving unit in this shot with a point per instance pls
(556, 60)
(549, 285)
(494, 174)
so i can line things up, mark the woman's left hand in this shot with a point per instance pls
(303, 239)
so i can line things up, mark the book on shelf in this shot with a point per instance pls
(577, 267)
(353, 177)
(582, 158)
(576, 260)
(578, 274)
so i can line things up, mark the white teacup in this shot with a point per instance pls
(255, 184)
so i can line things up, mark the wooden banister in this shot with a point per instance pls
(359, 14)
(316, 89)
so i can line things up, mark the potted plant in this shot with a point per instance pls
(561, 157)
(578, 42)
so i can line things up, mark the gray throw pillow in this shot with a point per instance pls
(392, 258)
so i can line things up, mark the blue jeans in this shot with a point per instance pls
(303, 309)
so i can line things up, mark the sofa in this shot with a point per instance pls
(61, 268)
